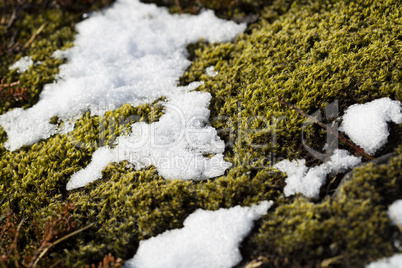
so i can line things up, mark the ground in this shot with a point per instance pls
(308, 53)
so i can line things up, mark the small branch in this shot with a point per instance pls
(179, 6)
(15, 242)
(12, 19)
(60, 240)
(328, 262)
(27, 44)
(339, 136)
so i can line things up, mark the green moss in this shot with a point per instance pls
(134, 205)
(309, 53)
(351, 227)
(345, 52)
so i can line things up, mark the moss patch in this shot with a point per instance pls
(311, 56)
(309, 53)
(346, 230)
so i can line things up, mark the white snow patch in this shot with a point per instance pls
(208, 239)
(22, 64)
(307, 181)
(366, 124)
(60, 54)
(174, 145)
(395, 212)
(210, 71)
(391, 262)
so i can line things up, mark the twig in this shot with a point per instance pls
(15, 243)
(179, 6)
(339, 136)
(12, 19)
(328, 262)
(27, 44)
(60, 240)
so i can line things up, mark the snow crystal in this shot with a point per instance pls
(395, 212)
(22, 65)
(392, 262)
(208, 239)
(309, 181)
(366, 124)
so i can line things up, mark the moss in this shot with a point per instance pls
(134, 205)
(309, 53)
(352, 227)
(344, 52)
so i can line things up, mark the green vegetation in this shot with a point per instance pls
(309, 53)
(348, 229)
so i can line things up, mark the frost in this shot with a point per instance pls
(208, 239)
(307, 181)
(366, 124)
(22, 65)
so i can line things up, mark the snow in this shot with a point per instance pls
(366, 124)
(395, 212)
(391, 262)
(208, 239)
(210, 71)
(59, 54)
(22, 64)
(307, 181)
(132, 53)
(174, 145)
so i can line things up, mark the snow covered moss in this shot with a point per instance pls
(40, 29)
(312, 55)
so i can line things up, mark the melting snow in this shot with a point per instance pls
(174, 145)
(208, 239)
(366, 124)
(210, 71)
(392, 262)
(22, 65)
(307, 181)
(395, 212)
(133, 53)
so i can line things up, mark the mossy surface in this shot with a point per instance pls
(311, 56)
(309, 53)
(349, 229)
